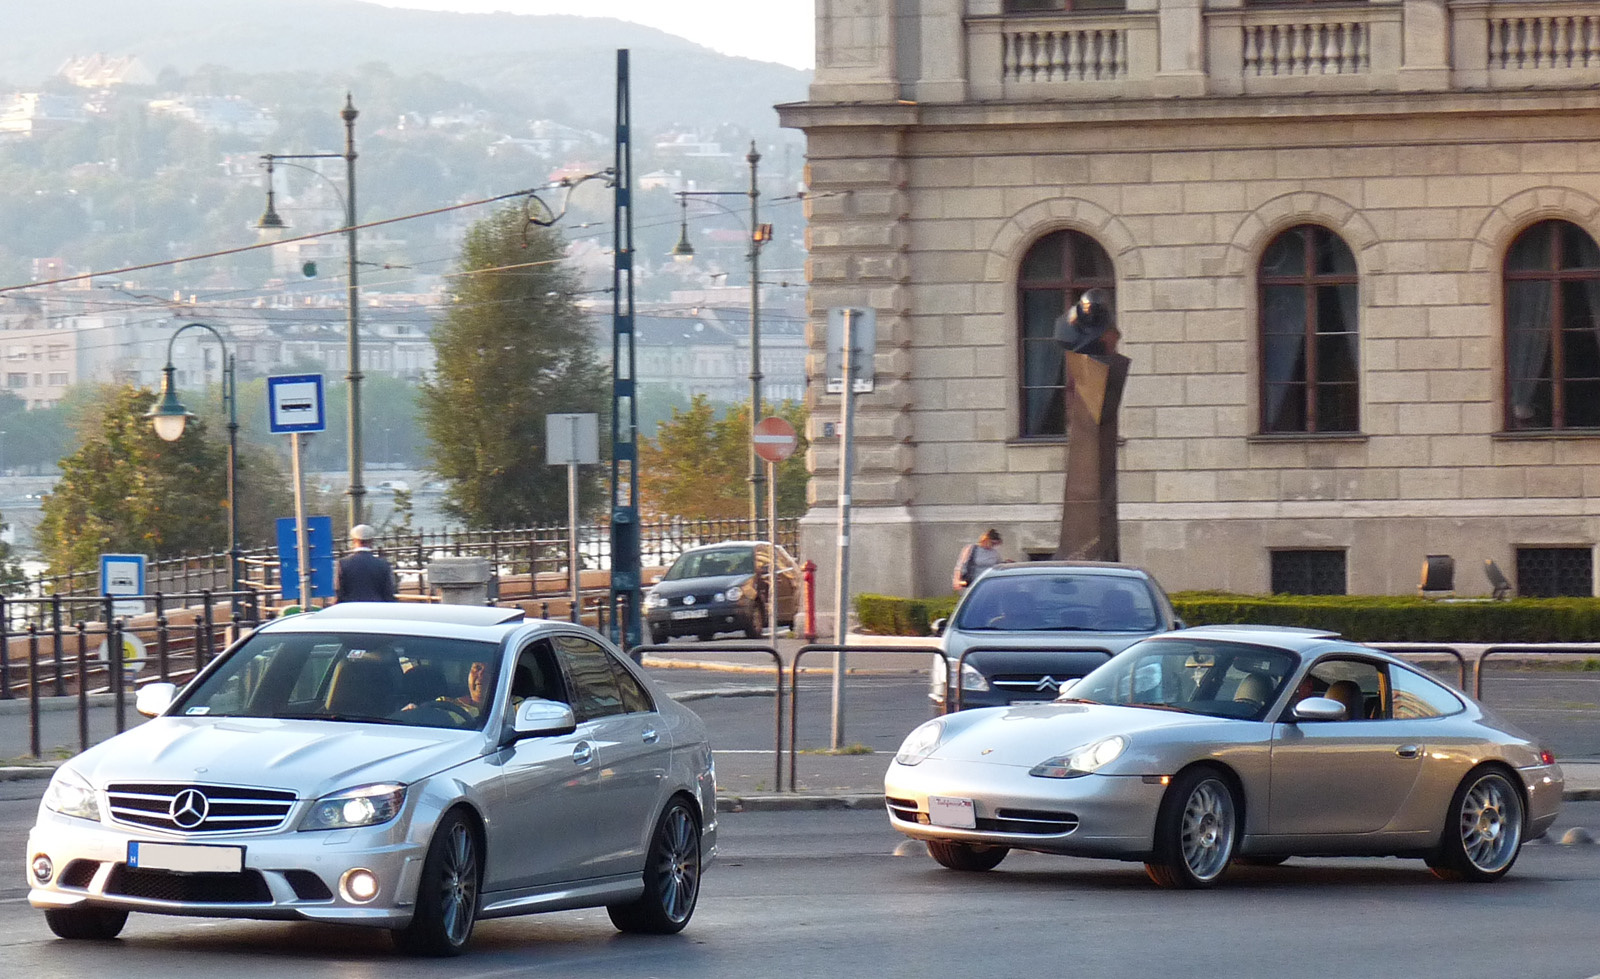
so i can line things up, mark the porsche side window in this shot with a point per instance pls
(1415, 696)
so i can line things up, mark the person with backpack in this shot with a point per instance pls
(975, 559)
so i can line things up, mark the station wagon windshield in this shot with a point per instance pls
(356, 677)
(1220, 679)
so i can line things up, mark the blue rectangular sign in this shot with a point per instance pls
(295, 404)
(319, 541)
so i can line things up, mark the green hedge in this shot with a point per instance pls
(1364, 618)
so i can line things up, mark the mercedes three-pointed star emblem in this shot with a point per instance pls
(189, 808)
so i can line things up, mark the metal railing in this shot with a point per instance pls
(794, 690)
(777, 694)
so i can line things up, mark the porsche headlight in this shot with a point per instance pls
(71, 795)
(367, 805)
(919, 744)
(733, 594)
(1082, 761)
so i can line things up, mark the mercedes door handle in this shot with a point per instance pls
(582, 753)
(1408, 750)
(650, 736)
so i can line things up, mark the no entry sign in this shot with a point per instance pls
(774, 439)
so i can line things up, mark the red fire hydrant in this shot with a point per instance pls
(809, 573)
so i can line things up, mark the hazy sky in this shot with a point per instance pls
(767, 30)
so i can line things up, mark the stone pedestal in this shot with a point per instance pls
(460, 580)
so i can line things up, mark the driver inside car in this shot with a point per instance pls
(471, 699)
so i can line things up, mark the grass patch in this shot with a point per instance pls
(849, 749)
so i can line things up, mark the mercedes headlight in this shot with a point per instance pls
(367, 805)
(71, 795)
(1082, 761)
(919, 744)
(733, 594)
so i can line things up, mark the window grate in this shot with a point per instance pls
(1308, 573)
(1555, 572)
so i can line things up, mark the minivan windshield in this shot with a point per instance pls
(1221, 679)
(1058, 601)
(712, 563)
(356, 677)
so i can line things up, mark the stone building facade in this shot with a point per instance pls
(1352, 249)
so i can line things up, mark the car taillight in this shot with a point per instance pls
(1546, 756)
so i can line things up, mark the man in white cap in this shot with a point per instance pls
(363, 575)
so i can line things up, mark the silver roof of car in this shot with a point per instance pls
(482, 622)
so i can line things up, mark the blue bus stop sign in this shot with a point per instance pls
(319, 541)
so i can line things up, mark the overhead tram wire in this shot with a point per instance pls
(220, 253)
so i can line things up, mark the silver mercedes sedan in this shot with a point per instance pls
(410, 767)
(1205, 747)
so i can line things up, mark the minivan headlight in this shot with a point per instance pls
(971, 679)
(71, 795)
(1082, 761)
(366, 805)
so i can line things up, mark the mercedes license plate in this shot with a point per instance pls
(955, 813)
(186, 857)
(692, 613)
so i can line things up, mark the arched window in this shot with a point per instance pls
(1552, 300)
(1309, 338)
(1059, 268)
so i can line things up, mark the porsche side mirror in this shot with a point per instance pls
(1318, 709)
(538, 718)
(154, 698)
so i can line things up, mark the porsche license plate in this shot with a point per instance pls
(955, 813)
(186, 858)
(691, 613)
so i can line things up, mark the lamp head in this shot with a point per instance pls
(270, 221)
(683, 252)
(169, 416)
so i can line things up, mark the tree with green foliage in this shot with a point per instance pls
(698, 465)
(512, 348)
(126, 491)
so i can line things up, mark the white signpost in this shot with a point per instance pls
(853, 338)
(775, 441)
(295, 406)
(572, 441)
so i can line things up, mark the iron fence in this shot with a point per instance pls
(538, 553)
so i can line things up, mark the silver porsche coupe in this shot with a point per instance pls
(411, 767)
(1201, 748)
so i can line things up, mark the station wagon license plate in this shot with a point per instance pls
(955, 813)
(186, 857)
(692, 613)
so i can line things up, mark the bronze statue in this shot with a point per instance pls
(1095, 376)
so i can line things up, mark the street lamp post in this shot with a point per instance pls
(760, 234)
(271, 220)
(169, 417)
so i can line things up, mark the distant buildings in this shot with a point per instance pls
(26, 114)
(218, 114)
(105, 71)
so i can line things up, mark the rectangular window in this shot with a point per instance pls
(1308, 573)
(15, 380)
(58, 377)
(1555, 572)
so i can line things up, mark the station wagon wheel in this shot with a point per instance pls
(1196, 831)
(671, 876)
(85, 923)
(967, 856)
(447, 896)
(1483, 830)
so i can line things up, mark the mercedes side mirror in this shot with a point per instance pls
(936, 627)
(538, 718)
(154, 698)
(1318, 709)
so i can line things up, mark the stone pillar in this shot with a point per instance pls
(460, 580)
(855, 52)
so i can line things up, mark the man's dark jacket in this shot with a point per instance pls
(365, 577)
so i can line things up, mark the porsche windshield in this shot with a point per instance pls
(411, 680)
(1056, 601)
(1222, 679)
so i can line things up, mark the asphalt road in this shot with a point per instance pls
(839, 894)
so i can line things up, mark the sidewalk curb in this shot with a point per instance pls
(19, 705)
(799, 802)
